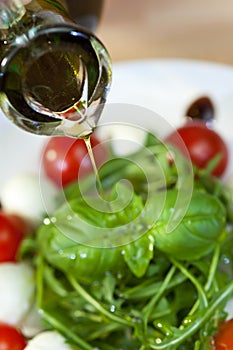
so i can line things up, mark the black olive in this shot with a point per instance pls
(201, 109)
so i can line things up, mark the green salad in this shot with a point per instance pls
(116, 276)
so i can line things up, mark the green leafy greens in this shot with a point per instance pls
(161, 289)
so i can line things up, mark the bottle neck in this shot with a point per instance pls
(86, 13)
(11, 12)
(51, 6)
(19, 22)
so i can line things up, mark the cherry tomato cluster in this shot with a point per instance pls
(12, 231)
(62, 158)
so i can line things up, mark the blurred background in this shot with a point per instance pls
(193, 29)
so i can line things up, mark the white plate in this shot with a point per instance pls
(164, 86)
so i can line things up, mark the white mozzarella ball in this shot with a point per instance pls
(29, 196)
(16, 292)
(48, 340)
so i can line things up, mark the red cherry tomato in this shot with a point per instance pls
(223, 340)
(63, 157)
(11, 338)
(12, 231)
(202, 143)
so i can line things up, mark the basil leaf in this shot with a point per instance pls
(88, 264)
(198, 232)
(138, 254)
(79, 237)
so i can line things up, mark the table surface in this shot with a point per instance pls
(189, 29)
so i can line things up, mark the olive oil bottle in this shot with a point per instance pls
(54, 73)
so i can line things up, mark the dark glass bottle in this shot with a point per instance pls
(55, 74)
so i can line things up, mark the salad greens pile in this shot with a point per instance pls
(147, 288)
